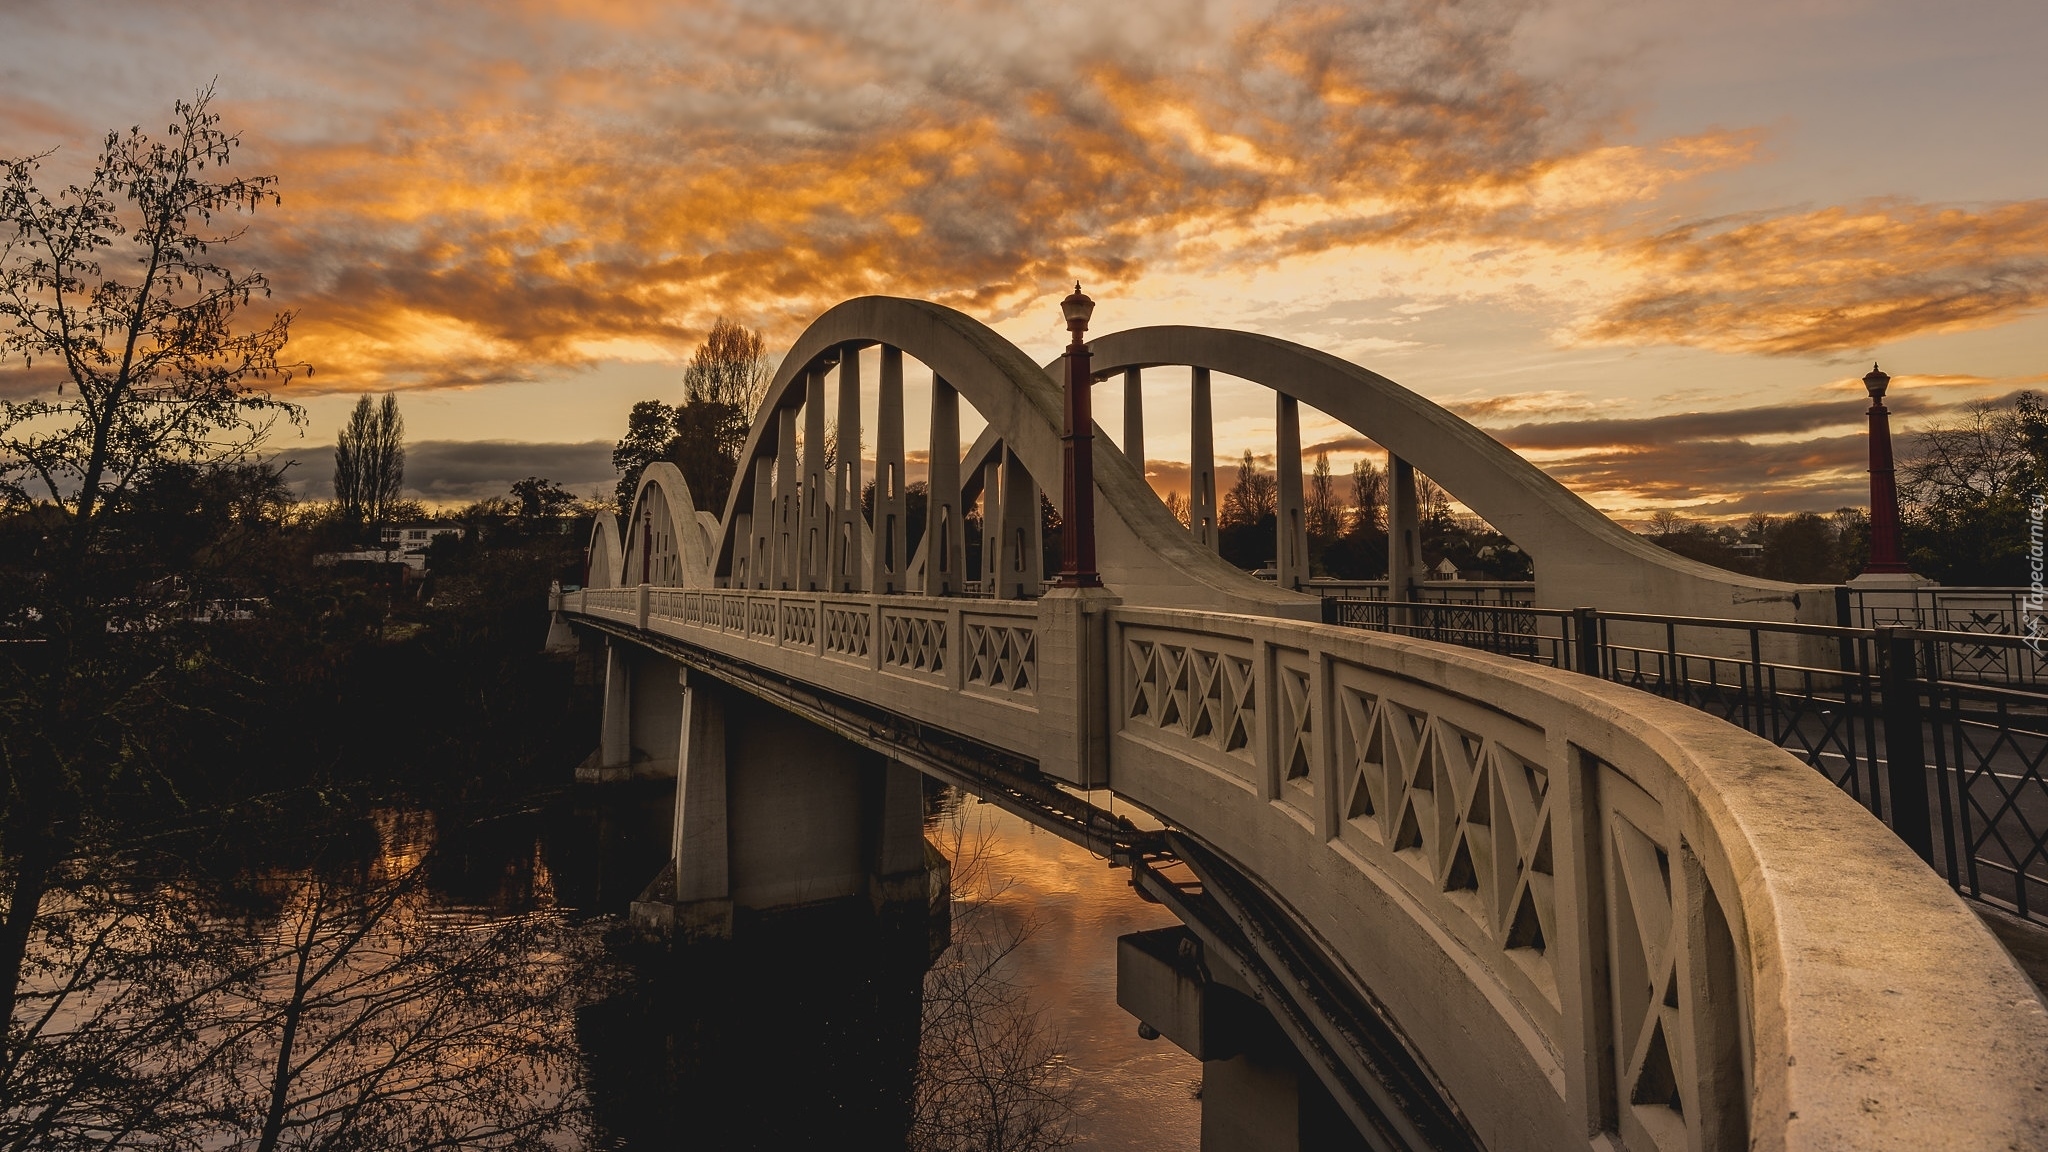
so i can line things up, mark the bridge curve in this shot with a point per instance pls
(1580, 908)
(1582, 556)
(1143, 551)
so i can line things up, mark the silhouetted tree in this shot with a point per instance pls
(1177, 507)
(116, 285)
(703, 437)
(991, 1073)
(369, 461)
(1965, 487)
(1368, 497)
(1324, 514)
(334, 1007)
(1253, 498)
(540, 499)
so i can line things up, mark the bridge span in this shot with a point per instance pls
(1491, 904)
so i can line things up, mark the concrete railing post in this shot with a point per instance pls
(1905, 757)
(640, 606)
(1073, 684)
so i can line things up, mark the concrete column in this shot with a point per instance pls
(1404, 532)
(1134, 417)
(888, 562)
(760, 542)
(1202, 464)
(816, 519)
(1292, 546)
(1023, 551)
(703, 892)
(615, 735)
(897, 827)
(848, 561)
(657, 715)
(992, 525)
(945, 554)
(786, 510)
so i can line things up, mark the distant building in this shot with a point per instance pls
(1444, 570)
(408, 543)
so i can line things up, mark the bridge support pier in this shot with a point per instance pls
(1258, 1095)
(643, 718)
(615, 734)
(773, 813)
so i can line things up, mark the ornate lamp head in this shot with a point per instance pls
(1876, 381)
(1077, 309)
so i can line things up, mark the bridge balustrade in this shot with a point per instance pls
(968, 665)
(1592, 910)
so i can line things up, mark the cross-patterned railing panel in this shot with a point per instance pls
(800, 624)
(1002, 654)
(848, 629)
(1680, 1017)
(1458, 799)
(762, 619)
(914, 642)
(1295, 723)
(1199, 690)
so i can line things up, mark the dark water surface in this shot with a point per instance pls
(807, 1027)
(412, 975)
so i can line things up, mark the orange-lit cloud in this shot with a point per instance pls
(1835, 278)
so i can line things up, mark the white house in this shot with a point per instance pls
(413, 539)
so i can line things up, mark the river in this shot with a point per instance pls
(398, 973)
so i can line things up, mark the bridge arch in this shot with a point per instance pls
(1141, 549)
(1582, 556)
(604, 565)
(664, 540)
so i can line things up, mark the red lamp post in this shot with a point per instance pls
(1886, 556)
(1077, 524)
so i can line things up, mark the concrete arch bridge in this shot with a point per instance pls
(1485, 904)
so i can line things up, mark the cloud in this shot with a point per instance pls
(1832, 279)
(459, 471)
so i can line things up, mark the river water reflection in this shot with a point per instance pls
(405, 975)
(818, 1013)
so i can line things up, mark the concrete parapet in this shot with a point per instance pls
(1593, 914)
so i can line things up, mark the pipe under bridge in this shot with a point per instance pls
(1490, 904)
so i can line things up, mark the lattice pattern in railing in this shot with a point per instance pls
(1294, 699)
(800, 625)
(1680, 1054)
(762, 619)
(914, 643)
(847, 631)
(1456, 804)
(1002, 655)
(1205, 694)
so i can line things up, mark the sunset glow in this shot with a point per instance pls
(1651, 248)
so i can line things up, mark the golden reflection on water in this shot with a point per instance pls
(1129, 1093)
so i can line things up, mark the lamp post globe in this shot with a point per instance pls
(1077, 308)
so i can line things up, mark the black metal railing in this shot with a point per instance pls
(1895, 716)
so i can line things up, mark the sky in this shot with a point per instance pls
(1651, 245)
